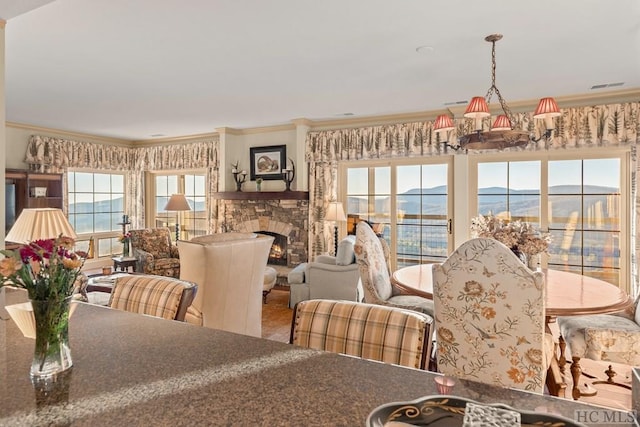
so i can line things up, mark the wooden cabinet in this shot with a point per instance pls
(34, 190)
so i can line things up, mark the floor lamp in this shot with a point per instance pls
(335, 213)
(177, 203)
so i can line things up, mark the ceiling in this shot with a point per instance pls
(134, 69)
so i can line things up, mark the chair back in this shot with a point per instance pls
(489, 317)
(156, 241)
(157, 296)
(372, 264)
(375, 332)
(230, 275)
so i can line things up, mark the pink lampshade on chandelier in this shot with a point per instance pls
(502, 133)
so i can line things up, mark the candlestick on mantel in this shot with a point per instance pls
(288, 175)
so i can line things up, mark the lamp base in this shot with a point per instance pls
(335, 240)
(177, 231)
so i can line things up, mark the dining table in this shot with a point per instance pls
(566, 294)
(132, 369)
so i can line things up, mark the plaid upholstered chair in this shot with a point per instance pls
(157, 296)
(490, 318)
(375, 332)
(375, 275)
(155, 253)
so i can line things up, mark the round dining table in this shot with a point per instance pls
(568, 294)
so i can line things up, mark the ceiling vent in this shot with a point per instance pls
(606, 85)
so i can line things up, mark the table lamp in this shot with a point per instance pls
(177, 203)
(40, 223)
(335, 213)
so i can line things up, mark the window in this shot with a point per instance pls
(96, 206)
(418, 231)
(585, 217)
(193, 222)
(422, 213)
(577, 200)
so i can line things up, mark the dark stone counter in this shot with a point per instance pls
(137, 370)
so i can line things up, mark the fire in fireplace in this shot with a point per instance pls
(278, 252)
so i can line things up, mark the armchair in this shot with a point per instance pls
(230, 273)
(327, 277)
(154, 252)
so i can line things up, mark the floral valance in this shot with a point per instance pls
(57, 154)
(578, 127)
(195, 155)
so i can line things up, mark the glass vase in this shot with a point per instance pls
(125, 249)
(52, 354)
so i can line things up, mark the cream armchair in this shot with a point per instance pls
(327, 277)
(229, 271)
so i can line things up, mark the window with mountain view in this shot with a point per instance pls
(577, 200)
(411, 202)
(96, 206)
(192, 223)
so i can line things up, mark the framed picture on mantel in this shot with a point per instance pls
(267, 162)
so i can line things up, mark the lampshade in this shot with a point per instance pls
(477, 108)
(41, 223)
(443, 124)
(547, 107)
(502, 123)
(177, 202)
(335, 212)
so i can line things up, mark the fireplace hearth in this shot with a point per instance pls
(278, 252)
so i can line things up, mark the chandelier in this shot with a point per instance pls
(502, 133)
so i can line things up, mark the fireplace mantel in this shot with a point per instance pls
(261, 195)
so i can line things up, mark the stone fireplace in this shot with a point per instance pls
(284, 215)
(278, 253)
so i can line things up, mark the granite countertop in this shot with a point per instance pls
(137, 370)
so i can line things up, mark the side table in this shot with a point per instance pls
(124, 262)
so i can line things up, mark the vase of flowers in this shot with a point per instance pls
(258, 184)
(521, 237)
(125, 239)
(47, 269)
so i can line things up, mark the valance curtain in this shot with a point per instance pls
(577, 128)
(57, 155)
(197, 155)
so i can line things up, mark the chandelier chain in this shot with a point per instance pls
(494, 88)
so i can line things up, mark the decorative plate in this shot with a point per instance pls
(449, 411)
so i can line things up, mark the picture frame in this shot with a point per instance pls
(267, 162)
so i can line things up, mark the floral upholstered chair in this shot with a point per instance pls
(155, 253)
(489, 317)
(609, 337)
(374, 274)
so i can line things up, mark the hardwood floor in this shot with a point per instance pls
(276, 316)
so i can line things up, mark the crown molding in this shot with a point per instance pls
(568, 101)
(177, 139)
(580, 100)
(65, 133)
(262, 129)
